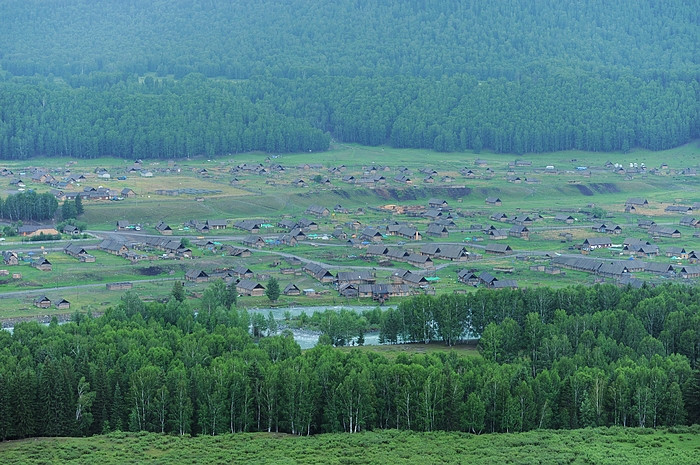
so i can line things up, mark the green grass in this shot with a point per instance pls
(254, 198)
(679, 446)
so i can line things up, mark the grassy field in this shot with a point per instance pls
(273, 197)
(589, 446)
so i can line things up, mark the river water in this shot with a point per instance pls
(305, 338)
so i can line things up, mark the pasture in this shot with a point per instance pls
(228, 189)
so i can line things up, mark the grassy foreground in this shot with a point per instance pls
(587, 446)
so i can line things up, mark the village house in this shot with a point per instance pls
(397, 254)
(565, 218)
(409, 278)
(684, 209)
(250, 287)
(371, 235)
(252, 226)
(71, 230)
(645, 224)
(438, 203)
(113, 247)
(678, 252)
(75, 250)
(377, 249)
(42, 264)
(319, 273)
(519, 231)
(497, 234)
(62, 304)
(123, 225)
(356, 277)
(164, 229)
(593, 243)
(498, 249)
(504, 284)
(10, 258)
(637, 202)
(493, 201)
(409, 232)
(422, 261)
(196, 276)
(291, 289)
(437, 230)
(42, 302)
(689, 222)
(660, 231)
(468, 277)
(453, 253)
(126, 193)
(318, 211)
(254, 241)
(216, 224)
(499, 216)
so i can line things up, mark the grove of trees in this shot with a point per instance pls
(604, 356)
(167, 80)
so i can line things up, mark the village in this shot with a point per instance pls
(351, 234)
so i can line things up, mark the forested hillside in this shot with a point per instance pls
(607, 356)
(93, 78)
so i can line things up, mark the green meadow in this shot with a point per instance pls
(678, 446)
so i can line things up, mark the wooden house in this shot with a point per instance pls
(254, 241)
(595, 243)
(62, 304)
(468, 277)
(42, 264)
(498, 249)
(493, 201)
(164, 229)
(196, 276)
(42, 302)
(250, 287)
(291, 289)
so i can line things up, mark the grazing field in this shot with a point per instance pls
(678, 446)
(272, 188)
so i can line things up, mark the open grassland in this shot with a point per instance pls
(234, 195)
(679, 446)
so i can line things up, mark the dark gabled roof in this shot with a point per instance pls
(434, 228)
(397, 253)
(504, 283)
(211, 223)
(452, 251)
(377, 249)
(487, 277)
(502, 248)
(192, 274)
(418, 258)
(290, 287)
(249, 284)
(431, 249)
(362, 275)
(74, 249)
(597, 241)
(414, 278)
(466, 274)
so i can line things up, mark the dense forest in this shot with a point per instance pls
(568, 358)
(28, 206)
(174, 79)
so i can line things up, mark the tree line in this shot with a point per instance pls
(300, 38)
(28, 206)
(160, 367)
(165, 118)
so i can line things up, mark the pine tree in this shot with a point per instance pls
(273, 289)
(178, 291)
(79, 205)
